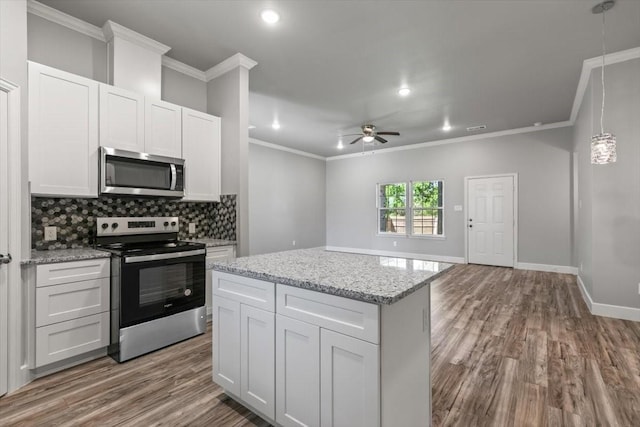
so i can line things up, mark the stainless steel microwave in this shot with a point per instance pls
(140, 174)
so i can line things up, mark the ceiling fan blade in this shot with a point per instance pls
(382, 140)
(389, 133)
(356, 140)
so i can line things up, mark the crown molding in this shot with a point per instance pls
(589, 65)
(487, 135)
(7, 86)
(235, 61)
(54, 15)
(112, 29)
(287, 149)
(183, 68)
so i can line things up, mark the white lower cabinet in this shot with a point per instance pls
(350, 381)
(257, 370)
(216, 253)
(70, 316)
(226, 344)
(297, 372)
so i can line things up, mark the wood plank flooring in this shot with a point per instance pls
(509, 348)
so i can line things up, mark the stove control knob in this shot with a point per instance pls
(114, 225)
(173, 223)
(104, 225)
(166, 223)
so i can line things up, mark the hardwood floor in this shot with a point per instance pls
(509, 347)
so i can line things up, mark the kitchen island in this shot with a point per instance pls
(319, 338)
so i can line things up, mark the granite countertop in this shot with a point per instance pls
(63, 255)
(211, 242)
(369, 278)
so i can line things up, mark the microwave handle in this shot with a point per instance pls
(174, 176)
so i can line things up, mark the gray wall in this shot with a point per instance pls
(286, 200)
(184, 90)
(541, 159)
(63, 48)
(608, 241)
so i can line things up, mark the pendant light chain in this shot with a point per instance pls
(604, 51)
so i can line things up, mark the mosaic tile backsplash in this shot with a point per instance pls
(75, 218)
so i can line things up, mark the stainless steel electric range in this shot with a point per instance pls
(157, 284)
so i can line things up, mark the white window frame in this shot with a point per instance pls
(408, 233)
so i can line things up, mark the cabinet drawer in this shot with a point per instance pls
(256, 293)
(350, 317)
(71, 301)
(220, 252)
(71, 338)
(76, 271)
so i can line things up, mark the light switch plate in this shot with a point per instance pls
(192, 228)
(457, 208)
(50, 233)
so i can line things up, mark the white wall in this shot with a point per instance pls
(608, 241)
(183, 90)
(286, 200)
(541, 159)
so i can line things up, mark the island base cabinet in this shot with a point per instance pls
(297, 373)
(226, 344)
(350, 386)
(257, 370)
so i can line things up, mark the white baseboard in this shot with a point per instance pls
(608, 310)
(547, 267)
(439, 258)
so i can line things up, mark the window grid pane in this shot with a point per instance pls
(427, 222)
(393, 195)
(392, 221)
(427, 194)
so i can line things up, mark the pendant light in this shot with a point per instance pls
(603, 145)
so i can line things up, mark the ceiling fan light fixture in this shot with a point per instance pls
(367, 138)
(270, 16)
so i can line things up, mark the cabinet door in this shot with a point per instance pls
(226, 344)
(163, 129)
(201, 152)
(121, 119)
(297, 373)
(257, 353)
(63, 133)
(350, 384)
(215, 254)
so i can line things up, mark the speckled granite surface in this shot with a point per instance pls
(211, 242)
(63, 255)
(369, 278)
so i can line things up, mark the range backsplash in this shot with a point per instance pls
(75, 218)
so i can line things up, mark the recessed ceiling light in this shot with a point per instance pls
(270, 16)
(446, 127)
(275, 125)
(340, 146)
(537, 124)
(404, 91)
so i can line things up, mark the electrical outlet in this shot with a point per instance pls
(581, 270)
(192, 228)
(50, 233)
(293, 243)
(638, 288)
(395, 243)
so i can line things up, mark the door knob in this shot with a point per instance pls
(470, 226)
(5, 259)
(470, 220)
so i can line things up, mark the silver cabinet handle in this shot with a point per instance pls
(5, 259)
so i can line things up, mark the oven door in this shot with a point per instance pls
(158, 285)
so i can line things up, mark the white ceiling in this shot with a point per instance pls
(329, 66)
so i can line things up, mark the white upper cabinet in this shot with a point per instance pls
(163, 128)
(201, 151)
(63, 133)
(121, 119)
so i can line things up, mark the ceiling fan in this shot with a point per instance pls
(369, 133)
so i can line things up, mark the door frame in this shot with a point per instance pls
(17, 374)
(515, 213)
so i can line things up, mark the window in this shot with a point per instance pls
(427, 210)
(421, 214)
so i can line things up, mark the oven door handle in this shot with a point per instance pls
(157, 257)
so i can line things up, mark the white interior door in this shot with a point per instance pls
(4, 240)
(490, 220)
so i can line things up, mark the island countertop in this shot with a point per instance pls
(369, 278)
